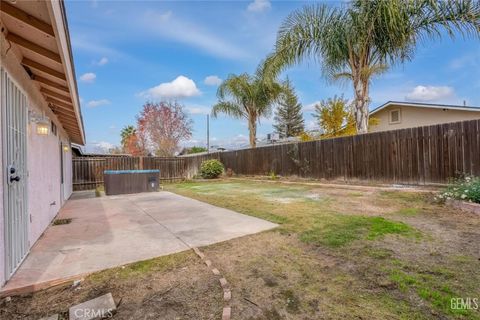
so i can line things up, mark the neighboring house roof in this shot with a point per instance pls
(425, 105)
(39, 31)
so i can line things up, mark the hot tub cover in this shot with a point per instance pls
(129, 171)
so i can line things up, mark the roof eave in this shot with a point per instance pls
(424, 105)
(60, 25)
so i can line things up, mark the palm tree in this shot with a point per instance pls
(360, 40)
(248, 97)
(126, 133)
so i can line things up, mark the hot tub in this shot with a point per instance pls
(130, 181)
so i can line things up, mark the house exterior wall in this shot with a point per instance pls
(419, 116)
(2, 227)
(43, 158)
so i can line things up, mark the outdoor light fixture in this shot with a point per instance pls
(65, 148)
(43, 128)
(42, 122)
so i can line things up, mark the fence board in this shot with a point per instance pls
(420, 155)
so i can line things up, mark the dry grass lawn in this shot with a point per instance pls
(338, 254)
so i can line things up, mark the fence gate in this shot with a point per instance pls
(14, 147)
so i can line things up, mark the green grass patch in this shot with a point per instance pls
(432, 289)
(350, 228)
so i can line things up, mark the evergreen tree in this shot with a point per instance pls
(288, 117)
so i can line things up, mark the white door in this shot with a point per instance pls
(14, 116)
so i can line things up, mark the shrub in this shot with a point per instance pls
(465, 188)
(211, 169)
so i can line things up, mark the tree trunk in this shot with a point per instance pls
(252, 128)
(361, 106)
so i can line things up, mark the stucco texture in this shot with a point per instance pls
(43, 158)
(411, 117)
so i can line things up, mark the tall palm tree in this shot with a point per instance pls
(248, 97)
(361, 39)
(126, 133)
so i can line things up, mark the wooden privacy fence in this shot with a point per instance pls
(88, 171)
(420, 155)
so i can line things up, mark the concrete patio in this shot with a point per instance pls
(111, 231)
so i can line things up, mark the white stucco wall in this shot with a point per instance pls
(2, 241)
(43, 158)
(68, 185)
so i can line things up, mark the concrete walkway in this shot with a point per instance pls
(111, 231)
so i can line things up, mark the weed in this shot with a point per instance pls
(292, 301)
(58, 222)
(272, 175)
(99, 191)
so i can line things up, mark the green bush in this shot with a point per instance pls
(211, 169)
(465, 188)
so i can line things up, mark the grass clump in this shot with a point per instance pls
(58, 222)
(144, 267)
(292, 301)
(99, 191)
(347, 229)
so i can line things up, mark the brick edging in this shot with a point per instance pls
(227, 292)
(464, 206)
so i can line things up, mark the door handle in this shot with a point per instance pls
(17, 178)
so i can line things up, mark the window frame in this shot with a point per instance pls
(390, 121)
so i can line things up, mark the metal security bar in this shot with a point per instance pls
(14, 117)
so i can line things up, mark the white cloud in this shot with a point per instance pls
(212, 80)
(259, 6)
(104, 145)
(170, 27)
(102, 61)
(311, 106)
(97, 103)
(100, 147)
(430, 93)
(311, 125)
(197, 109)
(181, 87)
(88, 77)
(83, 43)
(469, 60)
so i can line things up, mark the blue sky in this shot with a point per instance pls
(127, 52)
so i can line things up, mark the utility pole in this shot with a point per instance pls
(208, 133)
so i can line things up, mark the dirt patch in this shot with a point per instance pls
(389, 255)
(173, 287)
